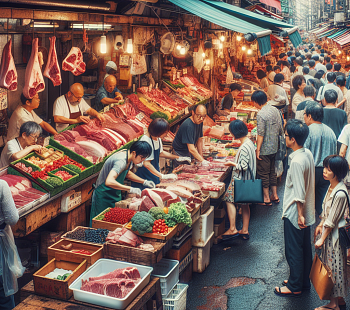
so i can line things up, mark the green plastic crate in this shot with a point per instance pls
(27, 164)
(53, 190)
(70, 182)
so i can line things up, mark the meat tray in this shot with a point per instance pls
(104, 266)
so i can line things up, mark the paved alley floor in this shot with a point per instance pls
(242, 274)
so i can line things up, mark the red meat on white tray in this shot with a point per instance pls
(34, 80)
(8, 73)
(52, 70)
(74, 62)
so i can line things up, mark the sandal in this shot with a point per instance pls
(291, 294)
(267, 204)
(244, 236)
(284, 283)
(275, 200)
(229, 237)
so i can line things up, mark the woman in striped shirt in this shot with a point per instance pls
(245, 158)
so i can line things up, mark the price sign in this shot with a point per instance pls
(46, 141)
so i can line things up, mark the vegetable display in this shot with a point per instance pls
(64, 277)
(179, 213)
(160, 227)
(119, 215)
(142, 222)
(74, 168)
(89, 235)
(157, 213)
(54, 182)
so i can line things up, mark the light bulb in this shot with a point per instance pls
(249, 52)
(348, 58)
(103, 48)
(203, 55)
(207, 61)
(339, 52)
(239, 38)
(178, 47)
(182, 51)
(243, 48)
(129, 47)
(221, 45)
(222, 38)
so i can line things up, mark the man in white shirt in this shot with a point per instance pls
(71, 107)
(277, 89)
(298, 210)
(319, 66)
(307, 77)
(331, 76)
(25, 113)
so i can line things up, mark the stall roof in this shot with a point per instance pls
(260, 9)
(257, 19)
(274, 3)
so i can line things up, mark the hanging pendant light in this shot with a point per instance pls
(103, 47)
(129, 47)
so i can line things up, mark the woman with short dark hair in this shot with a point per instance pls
(298, 83)
(245, 161)
(150, 170)
(264, 82)
(335, 210)
(22, 145)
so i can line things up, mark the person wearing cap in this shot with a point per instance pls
(228, 103)
(277, 89)
(111, 69)
(108, 93)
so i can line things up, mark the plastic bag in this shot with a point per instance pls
(278, 168)
(10, 262)
(198, 60)
(139, 65)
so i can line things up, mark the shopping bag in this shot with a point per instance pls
(10, 262)
(282, 148)
(248, 191)
(344, 231)
(321, 278)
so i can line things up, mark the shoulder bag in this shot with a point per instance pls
(248, 191)
(282, 147)
(344, 231)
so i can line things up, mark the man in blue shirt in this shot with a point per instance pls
(108, 93)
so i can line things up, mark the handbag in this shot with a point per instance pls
(282, 148)
(248, 191)
(344, 231)
(321, 278)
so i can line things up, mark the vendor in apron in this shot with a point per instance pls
(110, 182)
(150, 169)
(70, 108)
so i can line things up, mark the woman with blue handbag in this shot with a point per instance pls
(244, 167)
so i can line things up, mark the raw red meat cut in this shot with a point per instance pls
(52, 70)
(103, 139)
(125, 273)
(117, 288)
(74, 62)
(130, 239)
(180, 191)
(137, 103)
(146, 204)
(190, 186)
(153, 196)
(8, 73)
(164, 194)
(34, 80)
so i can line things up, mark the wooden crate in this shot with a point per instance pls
(205, 204)
(104, 224)
(180, 253)
(73, 218)
(57, 252)
(57, 288)
(215, 195)
(171, 233)
(84, 242)
(134, 255)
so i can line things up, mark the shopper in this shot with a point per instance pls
(312, 65)
(309, 93)
(298, 210)
(322, 142)
(229, 101)
(298, 63)
(306, 74)
(286, 71)
(330, 78)
(150, 170)
(344, 139)
(319, 66)
(269, 128)
(329, 68)
(334, 118)
(116, 169)
(335, 208)
(277, 69)
(347, 105)
(277, 89)
(337, 68)
(264, 82)
(245, 158)
(298, 83)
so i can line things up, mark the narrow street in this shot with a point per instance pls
(242, 274)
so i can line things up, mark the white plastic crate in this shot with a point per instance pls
(176, 300)
(203, 228)
(167, 270)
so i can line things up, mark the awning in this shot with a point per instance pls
(337, 34)
(248, 16)
(263, 10)
(294, 37)
(274, 3)
(223, 19)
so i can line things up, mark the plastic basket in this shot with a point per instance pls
(167, 270)
(176, 300)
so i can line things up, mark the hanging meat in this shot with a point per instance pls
(8, 73)
(34, 80)
(52, 70)
(74, 62)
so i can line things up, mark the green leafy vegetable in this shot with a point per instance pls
(157, 213)
(179, 214)
(54, 182)
(142, 222)
(159, 114)
(73, 168)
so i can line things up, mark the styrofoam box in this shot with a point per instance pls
(102, 267)
(167, 270)
(203, 228)
(201, 256)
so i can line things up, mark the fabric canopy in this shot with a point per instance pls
(337, 34)
(274, 3)
(251, 17)
(295, 38)
(263, 10)
(223, 19)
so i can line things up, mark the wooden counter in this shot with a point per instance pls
(50, 209)
(150, 295)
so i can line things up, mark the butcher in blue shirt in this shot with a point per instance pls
(108, 93)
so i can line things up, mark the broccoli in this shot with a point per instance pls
(157, 213)
(179, 214)
(73, 168)
(142, 222)
(159, 114)
(54, 182)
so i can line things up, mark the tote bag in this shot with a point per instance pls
(344, 232)
(248, 191)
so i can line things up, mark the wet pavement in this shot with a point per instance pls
(242, 274)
